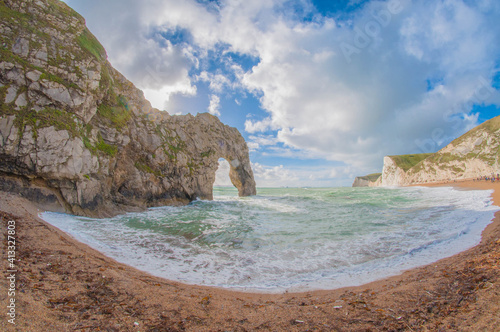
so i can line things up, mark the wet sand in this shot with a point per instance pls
(63, 285)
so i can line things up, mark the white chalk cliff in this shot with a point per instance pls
(472, 155)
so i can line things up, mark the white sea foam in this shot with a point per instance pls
(291, 239)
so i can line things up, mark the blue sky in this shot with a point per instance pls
(321, 90)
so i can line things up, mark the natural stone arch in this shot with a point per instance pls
(96, 146)
(237, 175)
(241, 175)
(205, 136)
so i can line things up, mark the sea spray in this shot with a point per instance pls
(293, 238)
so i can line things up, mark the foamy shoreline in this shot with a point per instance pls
(161, 259)
(65, 285)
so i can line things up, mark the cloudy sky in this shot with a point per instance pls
(321, 90)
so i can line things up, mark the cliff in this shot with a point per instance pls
(77, 136)
(472, 155)
(371, 180)
(394, 172)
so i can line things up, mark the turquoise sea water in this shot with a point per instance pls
(291, 239)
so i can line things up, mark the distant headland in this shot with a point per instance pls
(474, 155)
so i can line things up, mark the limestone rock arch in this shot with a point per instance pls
(226, 143)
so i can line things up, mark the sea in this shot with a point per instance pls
(291, 239)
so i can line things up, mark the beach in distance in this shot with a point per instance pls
(65, 285)
(184, 165)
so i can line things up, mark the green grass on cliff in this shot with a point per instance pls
(47, 117)
(100, 145)
(54, 78)
(143, 166)
(407, 161)
(371, 177)
(9, 15)
(115, 110)
(118, 116)
(59, 7)
(89, 43)
(489, 127)
(29, 27)
(412, 162)
(108, 149)
(61, 120)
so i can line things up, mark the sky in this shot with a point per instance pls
(321, 90)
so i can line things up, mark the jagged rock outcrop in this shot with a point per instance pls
(473, 155)
(75, 133)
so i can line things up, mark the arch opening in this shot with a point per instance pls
(234, 172)
(222, 178)
(222, 182)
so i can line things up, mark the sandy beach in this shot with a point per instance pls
(63, 285)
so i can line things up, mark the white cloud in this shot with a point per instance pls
(266, 124)
(278, 176)
(413, 66)
(264, 140)
(281, 175)
(379, 102)
(265, 176)
(214, 106)
(137, 49)
(217, 82)
(273, 176)
(159, 98)
(222, 174)
(253, 146)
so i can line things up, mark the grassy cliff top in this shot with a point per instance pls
(371, 177)
(473, 145)
(490, 126)
(407, 161)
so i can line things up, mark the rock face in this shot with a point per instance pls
(372, 180)
(474, 154)
(74, 133)
(392, 174)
